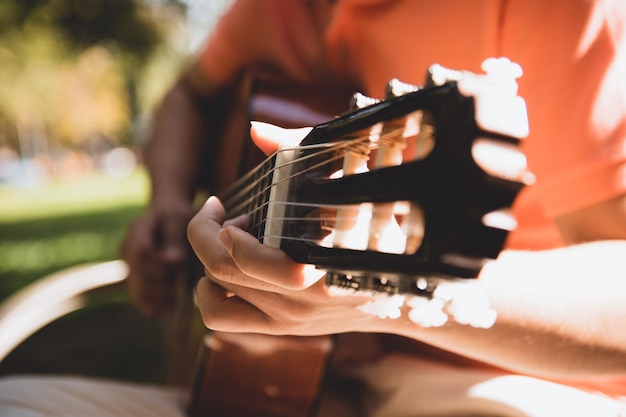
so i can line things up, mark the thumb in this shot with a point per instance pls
(269, 137)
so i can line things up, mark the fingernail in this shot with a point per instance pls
(226, 239)
(210, 200)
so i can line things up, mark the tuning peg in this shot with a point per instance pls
(439, 75)
(502, 68)
(360, 101)
(396, 88)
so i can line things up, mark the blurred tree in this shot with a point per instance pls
(134, 26)
(70, 68)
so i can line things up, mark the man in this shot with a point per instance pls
(565, 254)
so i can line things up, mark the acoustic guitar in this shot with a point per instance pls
(404, 198)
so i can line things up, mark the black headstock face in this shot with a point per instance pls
(403, 176)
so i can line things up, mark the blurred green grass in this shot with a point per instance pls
(46, 229)
(62, 224)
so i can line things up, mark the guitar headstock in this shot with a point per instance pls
(408, 196)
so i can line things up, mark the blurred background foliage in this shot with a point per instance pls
(79, 80)
(79, 71)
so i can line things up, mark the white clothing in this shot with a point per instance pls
(71, 396)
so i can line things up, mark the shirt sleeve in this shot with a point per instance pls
(281, 37)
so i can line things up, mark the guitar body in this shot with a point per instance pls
(247, 375)
(400, 198)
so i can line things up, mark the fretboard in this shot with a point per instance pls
(251, 195)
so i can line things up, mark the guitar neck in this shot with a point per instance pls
(250, 195)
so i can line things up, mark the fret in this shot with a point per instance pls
(251, 195)
(241, 197)
(258, 202)
(264, 197)
(254, 201)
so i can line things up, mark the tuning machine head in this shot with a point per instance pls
(360, 101)
(397, 88)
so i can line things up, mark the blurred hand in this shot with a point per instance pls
(156, 247)
(157, 251)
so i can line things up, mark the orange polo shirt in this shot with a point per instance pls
(571, 52)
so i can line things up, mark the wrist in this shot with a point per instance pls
(172, 204)
(171, 195)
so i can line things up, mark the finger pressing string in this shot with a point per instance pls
(270, 265)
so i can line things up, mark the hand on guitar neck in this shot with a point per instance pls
(253, 288)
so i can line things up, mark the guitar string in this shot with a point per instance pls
(252, 197)
(344, 145)
(290, 238)
(258, 225)
(374, 210)
(236, 189)
(327, 148)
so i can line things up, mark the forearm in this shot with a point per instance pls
(174, 151)
(544, 325)
(177, 156)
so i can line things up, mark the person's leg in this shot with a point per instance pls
(397, 386)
